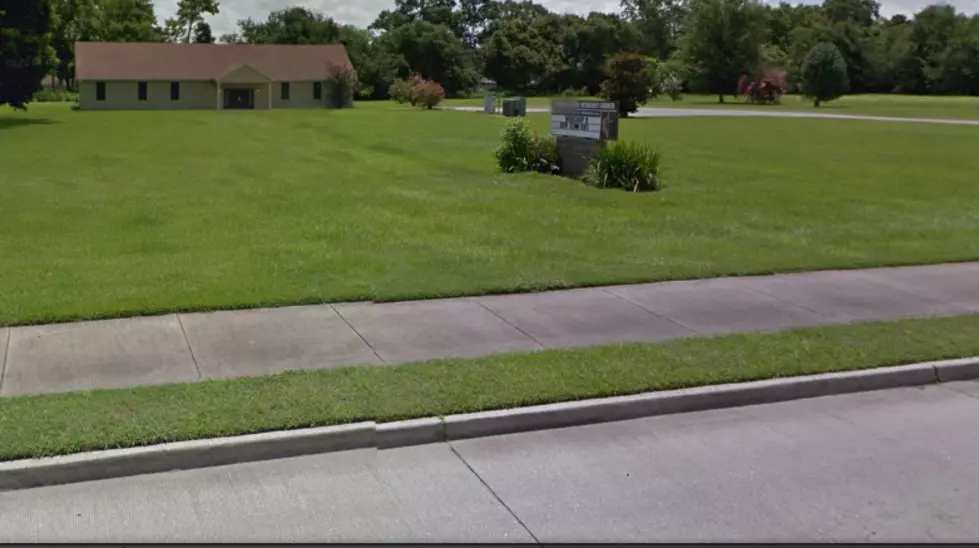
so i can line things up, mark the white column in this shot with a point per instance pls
(220, 102)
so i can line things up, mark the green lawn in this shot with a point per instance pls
(903, 106)
(122, 213)
(59, 424)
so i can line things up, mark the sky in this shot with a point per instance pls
(363, 12)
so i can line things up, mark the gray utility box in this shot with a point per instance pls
(515, 107)
(489, 104)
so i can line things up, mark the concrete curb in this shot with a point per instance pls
(410, 432)
(25, 474)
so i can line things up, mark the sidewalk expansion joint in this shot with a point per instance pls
(354, 329)
(190, 348)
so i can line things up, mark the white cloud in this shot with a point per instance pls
(363, 12)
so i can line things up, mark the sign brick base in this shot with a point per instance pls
(574, 154)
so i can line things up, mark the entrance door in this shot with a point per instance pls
(238, 98)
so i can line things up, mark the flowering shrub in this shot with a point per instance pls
(765, 88)
(426, 93)
(400, 91)
(341, 85)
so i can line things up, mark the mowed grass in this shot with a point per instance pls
(887, 105)
(67, 423)
(124, 213)
(890, 105)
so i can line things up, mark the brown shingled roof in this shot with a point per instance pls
(164, 61)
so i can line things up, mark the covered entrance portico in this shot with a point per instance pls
(242, 87)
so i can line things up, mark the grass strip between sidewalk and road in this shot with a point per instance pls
(35, 426)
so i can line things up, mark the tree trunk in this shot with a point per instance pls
(720, 98)
(816, 103)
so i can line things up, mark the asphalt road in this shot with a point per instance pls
(655, 112)
(896, 465)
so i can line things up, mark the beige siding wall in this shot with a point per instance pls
(300, 96)
(193, 95)
(125, 96)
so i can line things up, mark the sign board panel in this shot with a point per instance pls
(592, 120)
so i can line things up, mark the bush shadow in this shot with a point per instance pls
(6, 123)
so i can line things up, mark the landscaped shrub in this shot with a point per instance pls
(341, 86)
(400, 91)
(426, 93)
(545, 154)
(824, 74)
(55, 96)
(764, 88)
(626, 165)
(671, 84)
(523, 149)
(628, 83)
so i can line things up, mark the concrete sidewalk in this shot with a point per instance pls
(191, 347)
(748, 111)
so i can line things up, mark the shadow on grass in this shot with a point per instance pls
(6, 123)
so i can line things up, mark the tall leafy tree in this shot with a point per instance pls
(434, 52)
(190, 13)
(499, 12)
(722, 42)
(25, 52)
(127, 21)
(74, 21)
(202, 34)
(859, 12)
(956, 69)
(519, 58)
(931, 33)
(296, 25)
(658, 21)
(436, 12)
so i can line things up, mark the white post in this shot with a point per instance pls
(220, 104)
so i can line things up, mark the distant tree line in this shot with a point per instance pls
(525, 48)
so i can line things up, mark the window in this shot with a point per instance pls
(317, 91)
(285, 91)
(100, 91)
(142, 91)
(174, 91)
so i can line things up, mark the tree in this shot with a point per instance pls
(73, 21)
(519, 58)
(432, 51)
(859, 12)
(658, 21)
(824, 74)
(436, 12)
(589, 43)
(957, 67)
(295, 25)
(629, 82)
(25, 53)
(127, 21)
(202, 34)
(499, 12)
(190, 13)
(722, 42)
